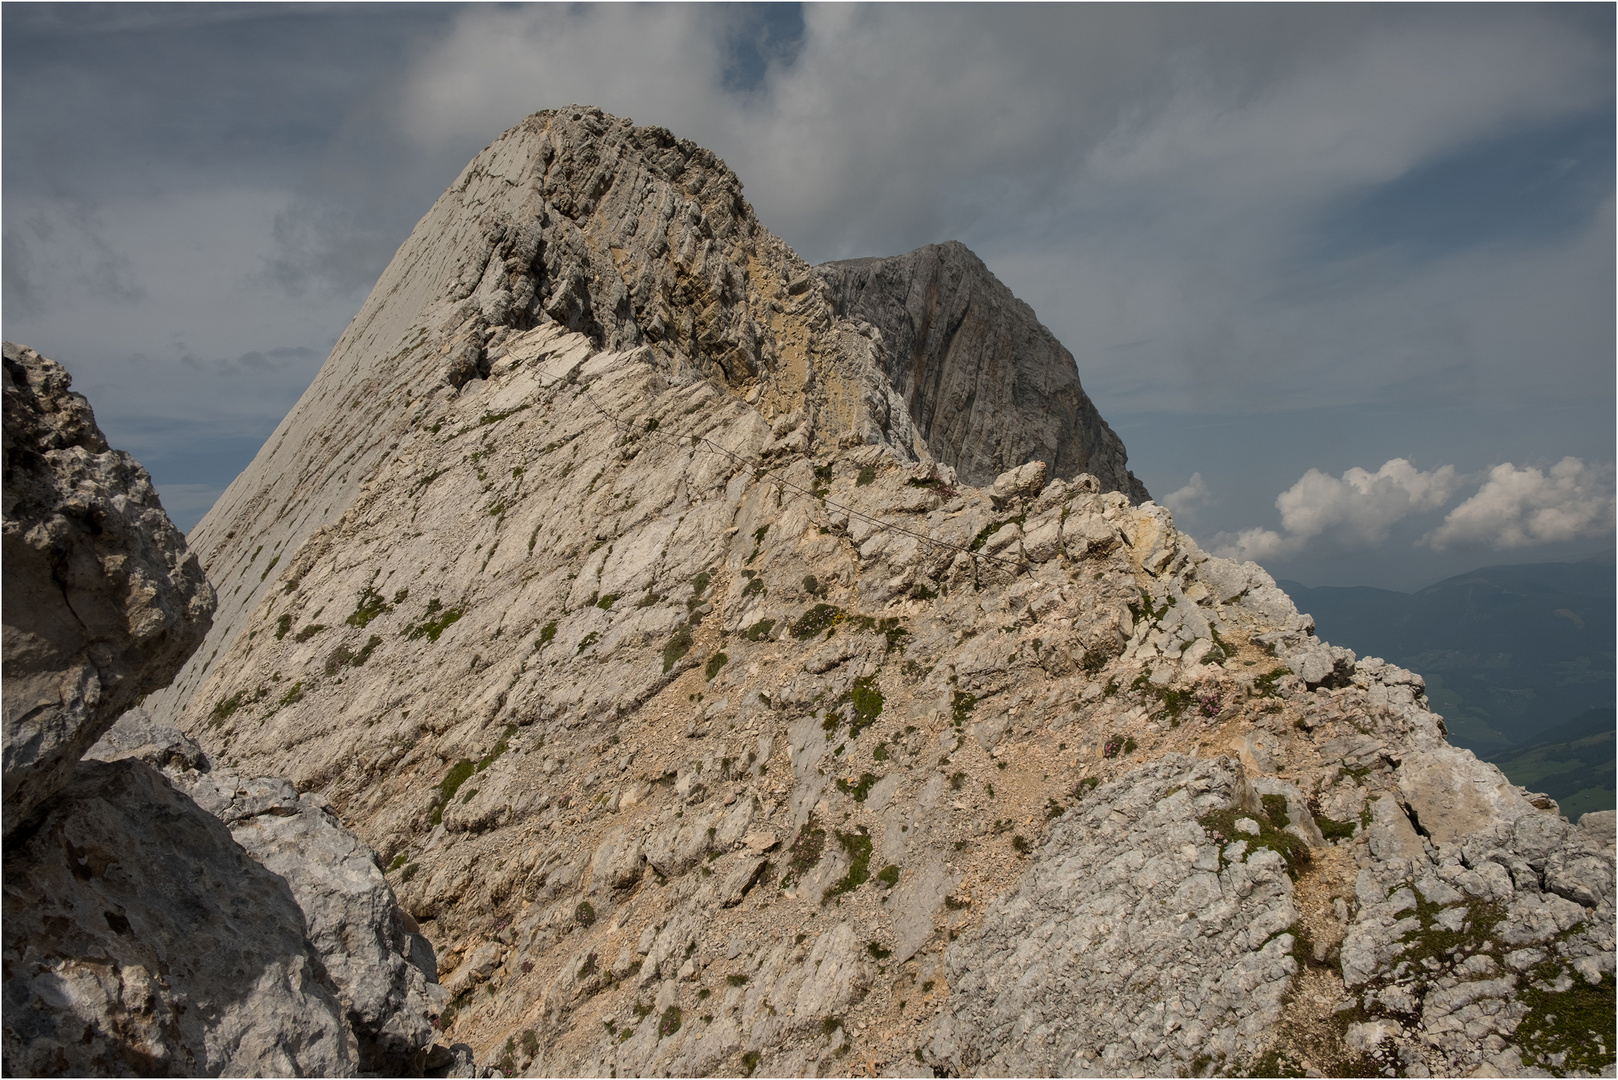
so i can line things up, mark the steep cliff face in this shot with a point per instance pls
(988, 387)
(577, 220)
(102, 600)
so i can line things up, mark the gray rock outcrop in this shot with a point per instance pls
(384, 972)
(140, 935)
(1172, 944)
(103, 602)
(166, 950)
(987, 385)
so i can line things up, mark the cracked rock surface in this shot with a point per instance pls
(988, 386)
(169, 951)
(103, 602)
(686, 763)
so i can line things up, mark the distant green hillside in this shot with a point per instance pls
(1515, 658)
(1573, 763)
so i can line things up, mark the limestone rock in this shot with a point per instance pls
(103, 602)
(354, 924)
(139, 734)
(1128, 905)
(705, 730)
(215, 964)
(987, 385)
(171, 951)
(378, 963)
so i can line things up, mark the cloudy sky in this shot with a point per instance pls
(1342, 277)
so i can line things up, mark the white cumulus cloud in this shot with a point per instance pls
(1357, 509)
(1521, 507)
(1184, 502)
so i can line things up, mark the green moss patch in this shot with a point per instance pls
(677, 646)
(458, 774)
(1332, 829)
(1265, 684)
(891, 628)
(806, 851)
(816, 621)
(1569, 1030)
(1221, 827)
(858, 789)
(370, 606)
(715, 662)
(228, 707)
(365, 653)
(867, 702)
(858, 847)
(436, 620)
(464, 769)
(1145, 610)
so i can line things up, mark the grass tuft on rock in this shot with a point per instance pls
(678, 645)
(816, 621)
(858, 847)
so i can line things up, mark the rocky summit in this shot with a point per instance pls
(740, 667)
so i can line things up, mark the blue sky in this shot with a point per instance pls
(1284, 243)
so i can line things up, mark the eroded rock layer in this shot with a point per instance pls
(580, 221)
(694, 749)
(987, 385)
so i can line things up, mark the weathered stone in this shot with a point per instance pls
(103, 602)
(218, 966)
(355, 926)
(171, 951)
(988, 387)
(604, 608)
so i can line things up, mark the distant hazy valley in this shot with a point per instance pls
(1518, 660)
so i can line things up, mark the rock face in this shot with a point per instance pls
(702, 733)
(1131, 904)
(988, 387)
(753, 759)
(142, 935)
(381, 968)
(166, 951)
(102, 600)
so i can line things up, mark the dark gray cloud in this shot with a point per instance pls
(1277, 238)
